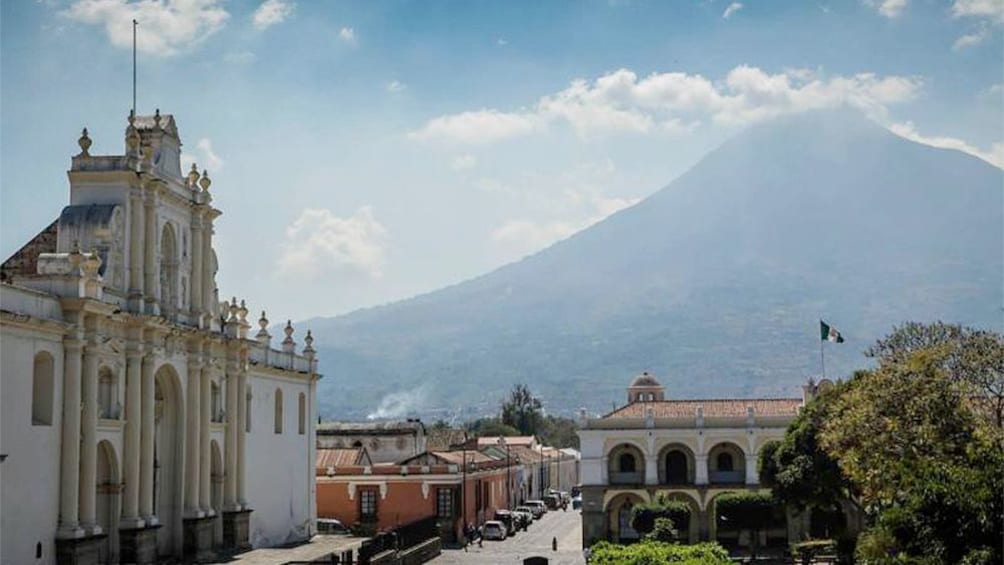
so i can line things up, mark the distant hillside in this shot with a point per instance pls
(715, 283)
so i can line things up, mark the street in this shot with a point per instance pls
(536, 541)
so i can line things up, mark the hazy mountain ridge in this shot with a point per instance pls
(715, 282)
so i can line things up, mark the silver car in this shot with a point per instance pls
(493, 529)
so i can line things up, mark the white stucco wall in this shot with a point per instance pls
(29, 477)
(280, 467)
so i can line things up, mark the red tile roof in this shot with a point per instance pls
(339, 457)
(713, 408)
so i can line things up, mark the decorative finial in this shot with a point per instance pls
(204, 182)
(156, 119)
(242, 311)
(309, 340)
(132, 117)
(263, 323)
(193, 176)
(85, 143)
(288, 330)
(132, 138)
(288, 345)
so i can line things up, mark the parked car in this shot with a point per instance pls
(493, 529)
(331, 526)
(528, 512)
(525, 517)
(577, 502)
(537, 508)
(510, 521)
(553, 501)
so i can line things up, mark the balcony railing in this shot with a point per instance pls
(627, 478)
(727, 477)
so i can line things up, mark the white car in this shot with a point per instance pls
(493, 529)
(537, 507)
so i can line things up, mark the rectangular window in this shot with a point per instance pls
(444, 502)
(367, 505)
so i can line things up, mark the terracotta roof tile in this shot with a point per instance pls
(713, 408)
(338, 457)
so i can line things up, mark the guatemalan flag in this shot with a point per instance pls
(829, 333)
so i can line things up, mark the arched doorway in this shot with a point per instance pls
(726, 464)
(626, 465)
(167, 459)
(619, 514)
(216, 490)
(109, 487)
(676, 465)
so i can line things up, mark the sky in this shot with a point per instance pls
(365, 152)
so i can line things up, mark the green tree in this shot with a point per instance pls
(664, 531)
(490, 427)
(645, 516)
(747, 511)
(522, 411)
(799, 472)
(559, 432)
(969, 356)
(926, 464)
(650, 552)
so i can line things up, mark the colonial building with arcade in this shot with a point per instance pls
(143, 419)
(686, 450)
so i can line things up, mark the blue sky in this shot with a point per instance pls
(364, 152)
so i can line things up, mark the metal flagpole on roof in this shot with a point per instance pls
(134, 24)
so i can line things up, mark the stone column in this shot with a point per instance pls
(151, 286)
(89, 442)
(196, 304)
(701, 470)
(208, 294)
(242, 408)
(752, 478)
(131, 453)
(136, 248)
(193, 413)
(205, 492)
(651, 469)
(70, 451)
(230, 441)
(147, 407)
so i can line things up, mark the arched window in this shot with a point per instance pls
(725, 462)
(168, 269)
(278, 411)
(215, 402)
(41, 390)
(302, 414)
(651, 396)
(108, 402)
(626, 463)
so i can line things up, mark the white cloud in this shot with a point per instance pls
(206, 158)
(272, 12)
(888, 8)
(501, 42)
(994, 156)
(988, 9)
(464, 162)
(732, 9)
(395, 86)
(479, 126)
(620, 101)
(348, 35)
(978, 36)
(165, 28)
(320, 243)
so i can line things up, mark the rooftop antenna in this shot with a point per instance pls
(134, 24)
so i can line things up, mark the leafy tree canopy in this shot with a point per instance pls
(649, 552)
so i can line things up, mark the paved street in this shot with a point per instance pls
(566, 526)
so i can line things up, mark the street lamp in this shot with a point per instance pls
(463, 485)
(508, 491)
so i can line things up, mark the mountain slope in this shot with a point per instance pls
(715, 283)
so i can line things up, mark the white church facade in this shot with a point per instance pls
(142, 417)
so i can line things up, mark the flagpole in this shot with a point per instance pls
(822, 358)
(134, 24)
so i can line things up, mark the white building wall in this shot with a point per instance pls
(29, 476)
(280, 467)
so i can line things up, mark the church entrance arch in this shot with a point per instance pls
(167, 459)
(109, 486)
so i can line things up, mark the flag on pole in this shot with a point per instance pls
(829, 333)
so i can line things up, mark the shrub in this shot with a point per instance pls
(650, 552)
(643, 516)
(663, 531)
